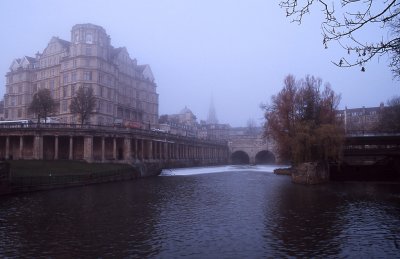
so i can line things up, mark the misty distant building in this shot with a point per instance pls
(183, 123)
(123, 89)
(212, 115)
(363, 119)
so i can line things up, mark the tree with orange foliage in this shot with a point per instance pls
(302, 120)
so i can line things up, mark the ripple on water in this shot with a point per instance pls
(229, 212)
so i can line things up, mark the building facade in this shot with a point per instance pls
(123, 89)
(359, 120)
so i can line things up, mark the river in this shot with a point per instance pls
(218, 212)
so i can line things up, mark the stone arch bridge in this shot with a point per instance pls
(251, 149)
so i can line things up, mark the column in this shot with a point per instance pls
(103, 149)
(38, 147)
(7, 147)
(127, 149)
(114, 148)
(21, 147)
(150, 149)
(88, 148)
(166, 151)
(142, 147)
(136, 149)
(55, 147)
(71, 148)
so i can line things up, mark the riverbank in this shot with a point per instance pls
(36, 168)
(36, 175)
(316, 173)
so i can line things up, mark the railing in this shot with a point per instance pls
(117, 129)
(366, 133)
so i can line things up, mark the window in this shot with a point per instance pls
(19, 113)
(88, 51)
(74, 62)
(89, 38)
(73, 77)
(73, 88)
(65, 91)
(100, 78)
(101, 106)
(51, 85)
(65, 79)
(87, 76)
(64, 105)
(87, 61)
(76, 37)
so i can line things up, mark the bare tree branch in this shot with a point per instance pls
(342, 25)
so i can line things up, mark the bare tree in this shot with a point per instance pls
(83, 103)
(343, 21)
(42, 104)
(251, 126)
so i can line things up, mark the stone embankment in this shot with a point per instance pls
(17, 184)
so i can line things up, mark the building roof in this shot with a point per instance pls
(186, 110)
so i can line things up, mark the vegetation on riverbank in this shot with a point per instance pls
(32, 168)
(302, 120)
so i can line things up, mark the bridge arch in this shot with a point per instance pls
(240, 157)
(265, 157)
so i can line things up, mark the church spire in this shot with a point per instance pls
(212, 116)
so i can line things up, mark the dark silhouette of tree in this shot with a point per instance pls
(42, 104)
(390, 116)
(83, 104)
(343, 22)
(302, 120)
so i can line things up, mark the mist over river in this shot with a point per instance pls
(211, 212)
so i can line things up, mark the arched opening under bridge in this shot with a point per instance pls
(240, 158)
(265, 157)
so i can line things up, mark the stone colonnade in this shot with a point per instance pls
(103, 148)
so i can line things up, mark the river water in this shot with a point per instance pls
(220, 212)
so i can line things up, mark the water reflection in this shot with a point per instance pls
(235, 213)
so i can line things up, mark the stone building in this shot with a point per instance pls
(358, 120)
(123, 89)
(183, 123)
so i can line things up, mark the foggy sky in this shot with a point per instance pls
(236, 52)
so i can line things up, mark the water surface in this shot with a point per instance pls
(218, 212)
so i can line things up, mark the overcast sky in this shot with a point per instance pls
(236, 52)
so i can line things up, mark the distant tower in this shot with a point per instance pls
(212, 116)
